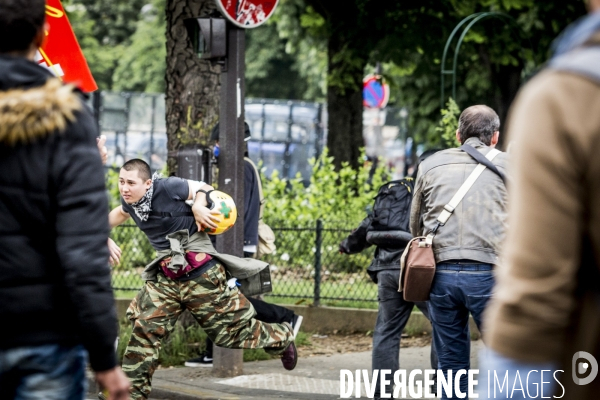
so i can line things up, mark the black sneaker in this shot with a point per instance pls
(296, 323)
(202, 361)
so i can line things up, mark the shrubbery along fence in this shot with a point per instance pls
(306, 268)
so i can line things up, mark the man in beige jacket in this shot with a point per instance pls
(546, 308)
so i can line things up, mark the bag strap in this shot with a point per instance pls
(462, 191)
(261, 198)
(480, 158)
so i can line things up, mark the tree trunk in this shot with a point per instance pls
(507, 79)
(192, 84)
(344, 104)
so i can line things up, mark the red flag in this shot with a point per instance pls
(61, 53)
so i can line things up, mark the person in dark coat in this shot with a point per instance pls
(55, 285)
(393, 311)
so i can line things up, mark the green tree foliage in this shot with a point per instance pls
(494, 60)
(409, 39)
(142, 66)
(292, 55)
(102, 59)
(449, 124)
(115, 20)
(123, 42)
(270, 71)
(303, 31)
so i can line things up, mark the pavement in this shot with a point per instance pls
(314, 378)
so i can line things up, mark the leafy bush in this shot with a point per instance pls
(449, 124)
(339, 198)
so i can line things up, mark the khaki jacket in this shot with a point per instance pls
(546, 305)
(476, 228)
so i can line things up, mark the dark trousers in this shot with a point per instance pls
(392, 316)
(265, 312)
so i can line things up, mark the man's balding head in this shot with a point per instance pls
(478, 121)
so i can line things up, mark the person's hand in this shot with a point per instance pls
(165, 262)
(114, 251)
(342, 249)
(115, 381)
(101, 141)
(205, 218)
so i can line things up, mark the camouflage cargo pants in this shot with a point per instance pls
(225, 315)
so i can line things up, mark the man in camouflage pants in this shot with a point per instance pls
(223, 312)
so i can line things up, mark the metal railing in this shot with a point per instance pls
(306, 267)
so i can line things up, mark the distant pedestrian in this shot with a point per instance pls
(56, 300)
(393, 311)
(467, 246)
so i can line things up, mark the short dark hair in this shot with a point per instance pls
(141, 166)
(478, 121)
(20, 22)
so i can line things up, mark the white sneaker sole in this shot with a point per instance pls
(194, 365)
(297, 326)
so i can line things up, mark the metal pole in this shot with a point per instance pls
(126, 127)
(318, 244)
(318, 131)
(152, 130)
(287, 155)
(263, 124)
(475, 18)
(229, 362)
(448, 42)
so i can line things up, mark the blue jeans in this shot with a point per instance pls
(392, 317)
(457, 289)
(48, 372)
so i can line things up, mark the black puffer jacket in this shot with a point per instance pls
(54, 279)
(384, 258)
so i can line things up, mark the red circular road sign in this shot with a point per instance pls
(376, 92)
(247, 13)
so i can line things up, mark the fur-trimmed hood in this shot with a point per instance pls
(33, 104)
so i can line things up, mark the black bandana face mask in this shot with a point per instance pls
(142, 207)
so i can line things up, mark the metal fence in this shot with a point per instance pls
(306, 268)
(286, 134)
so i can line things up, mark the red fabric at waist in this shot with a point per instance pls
(194, 260)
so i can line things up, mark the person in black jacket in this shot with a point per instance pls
(55, 288)
(394, 311)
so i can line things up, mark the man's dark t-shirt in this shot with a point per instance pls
(169, 196)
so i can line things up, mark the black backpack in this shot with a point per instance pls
(391, 215)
